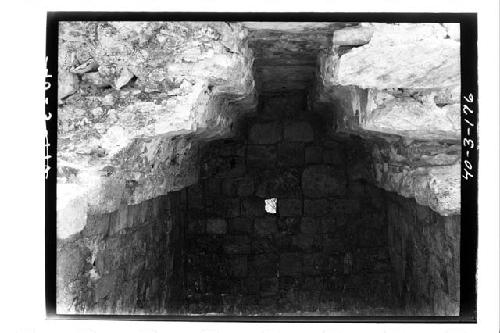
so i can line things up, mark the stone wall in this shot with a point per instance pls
(424, 246)
(337, 244)
(425, 255)
(325, 250)
(125, 262)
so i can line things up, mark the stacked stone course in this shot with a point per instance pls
(325, 243)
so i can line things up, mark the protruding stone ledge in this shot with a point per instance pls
(131, 124)
(399, 56)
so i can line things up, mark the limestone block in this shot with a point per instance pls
(329, 224)
(353, 36)
(290, 264)
(265, 225)
(216, 226)
(196, 226)
(306, 242)
(229, 187)
(279, 183)
(289, 207)
(239, 266)
(318, 207)
(240, 225)
(269, 287)
(393, 58)
(289, 225)
(298, 132)
(290, 154)
(261, 156)
(314, 155)
(237, 244)
(265, 265)
(265, 133)
(252, 207)
(321, 181)
(245, 187)
(310, 225)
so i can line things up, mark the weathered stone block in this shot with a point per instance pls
(290, 154)
(319, 207)
(232, 207)
(216, 226)
(195, 196)
(106, 285)
(231, 148)
(265, 225)
(289, 225)
(452, 227)
(240, 225)
(222, 167)
(217, 207)
(97, 225)
(299, 131)
(245, 187)
(264, 244)
(252, 288)
(239, 266)
(290, 264)
(72, 261)
(329, 224)
(265, 133)
(321, 181)
(134, 215)
(334, 243)
(252, 207)
(213, 187)
(196, 226)
(279, 183)
(314, 264)
(229, 187)
(344, 206)
(279, 107)
(290, 207)
(261, 156)
(310, 226)
(118, 220)
(314, 155)
(265, 265)
(237, 245)
(306, 242)
(269, 287)
(284, 243)
(333, 156)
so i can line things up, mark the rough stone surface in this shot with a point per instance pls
(383, 87)
(265, 133)
(125, 262)
(151, 90)
(322, 181)
(428, 172)
(285, 52)
(216, 226)
(147, 83)
(139, 103)
(398, 45)
(425, 256)
(328, 244)
(298, 131)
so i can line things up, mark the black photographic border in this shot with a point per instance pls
(469, 187)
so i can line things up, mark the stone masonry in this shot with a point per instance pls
(324, 251)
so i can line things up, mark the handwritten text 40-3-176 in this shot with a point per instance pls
(468, 140)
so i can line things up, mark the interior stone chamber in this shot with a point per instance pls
(364, 223)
